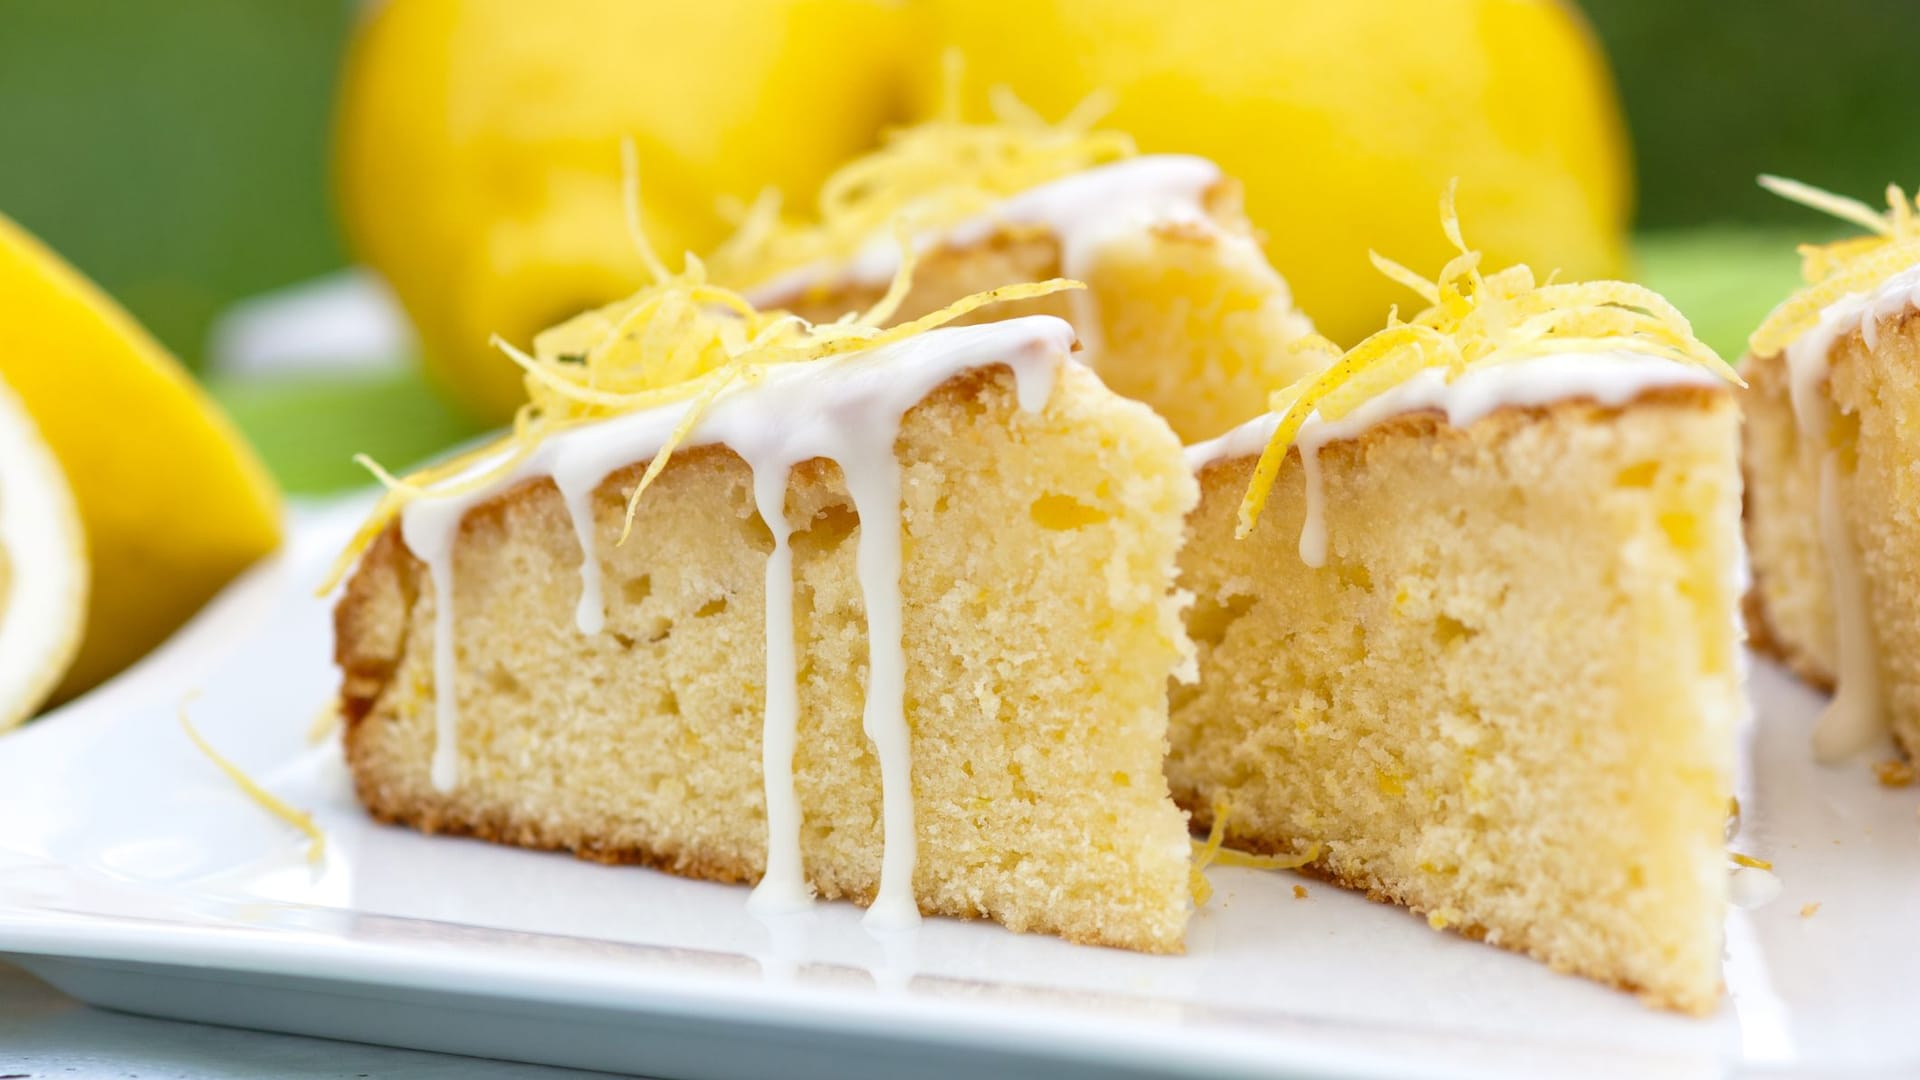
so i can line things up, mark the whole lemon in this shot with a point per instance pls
(1344, 120)
(477, 147)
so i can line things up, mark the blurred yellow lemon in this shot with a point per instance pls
(1344, 120)
(43, 566)
(171, 502)
(478, 147)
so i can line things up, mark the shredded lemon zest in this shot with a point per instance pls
(1473, 319)
(923, 179)
(1749, 861)
(680, 340)
(1213, 852)
(1835, 270)
(266, 800)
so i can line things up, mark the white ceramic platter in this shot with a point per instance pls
(134, 875)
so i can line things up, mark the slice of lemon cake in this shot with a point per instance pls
(1467, 619)
(1182, 309)
(1830, 452)
(878, 615)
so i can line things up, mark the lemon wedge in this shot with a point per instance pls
(172, 502)
(43, 567)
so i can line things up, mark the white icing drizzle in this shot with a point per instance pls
(1313, 525)
(436, 537)
(875, 487)
(1808, 356)
(1083, 210)
(1855, 720)
(1610, 379)
(847, 410)
(1855, 717)
(783, 888)
(576, 491)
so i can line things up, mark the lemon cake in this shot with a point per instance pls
(1829, 451)
(1182, 309)
(882, 615)
(1466, 612)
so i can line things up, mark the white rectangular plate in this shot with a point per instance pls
(134, 875)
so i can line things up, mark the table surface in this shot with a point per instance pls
(44, 1033)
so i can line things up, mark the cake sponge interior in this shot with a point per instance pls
(1041, 628)
(1507, 699)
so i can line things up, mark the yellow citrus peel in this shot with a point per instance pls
(924, 178)
(1213, 852)
(681, 340)
(1472, 320)
(267, 800)
(1749, 861)
(1836, 269)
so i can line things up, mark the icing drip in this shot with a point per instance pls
(1313, 526)
(431, 539)
(847, 410)
(576, 490)
(1855, 719)
(784, 885)
(875, 486)
(1608, 379)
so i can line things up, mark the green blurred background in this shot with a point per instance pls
(177, 152)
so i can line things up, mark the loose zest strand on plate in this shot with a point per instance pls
(266, 800)
(923, 178)
(1834, 270)
(1472, 320)
(1213, 852)
(680, 339)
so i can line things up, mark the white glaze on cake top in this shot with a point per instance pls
(1610, 379)
(1809, 357)
(1082, 210)
(847, 409)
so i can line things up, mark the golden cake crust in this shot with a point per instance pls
(1322, 869)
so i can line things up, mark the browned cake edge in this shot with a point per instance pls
(1321, 869)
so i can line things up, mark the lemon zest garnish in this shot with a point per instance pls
(1835, 270)
(1749, 861)
(630, 201)
(1205, 852)
(923, 178)
(1472, 320)
(266, 800)
(1229, 857)
(1213, 852)
(680, 340)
